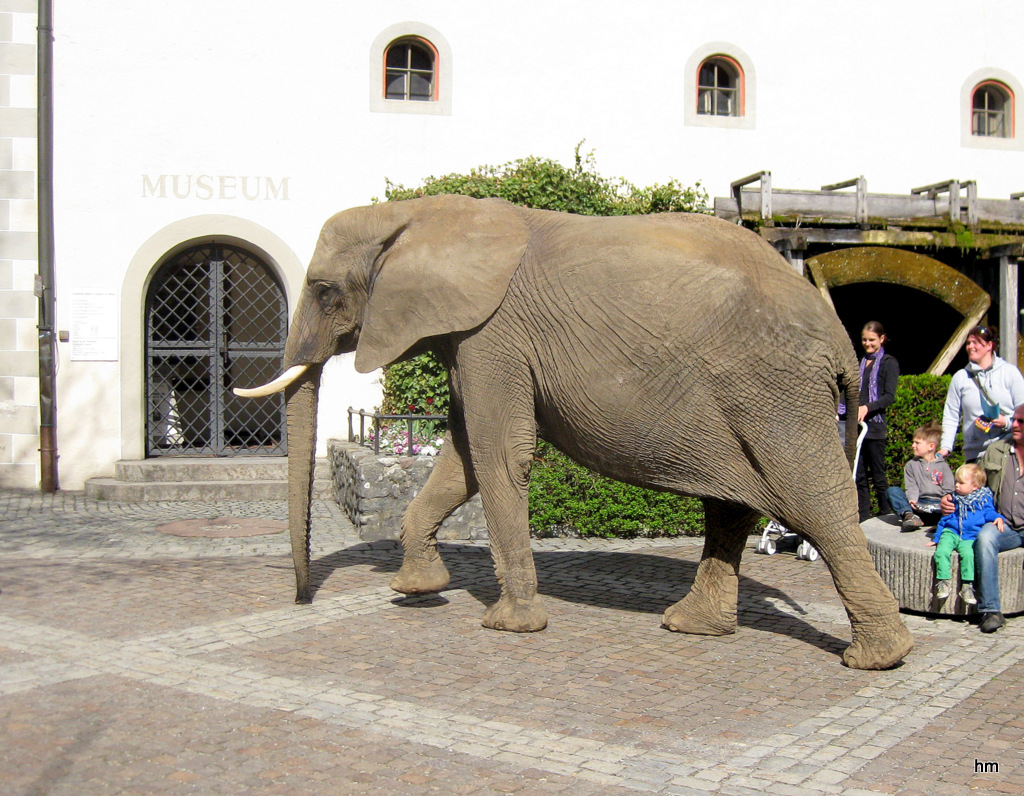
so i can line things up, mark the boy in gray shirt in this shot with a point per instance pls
(926, 478)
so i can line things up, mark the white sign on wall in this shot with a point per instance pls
(94, 334)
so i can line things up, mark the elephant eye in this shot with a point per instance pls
(329, 297)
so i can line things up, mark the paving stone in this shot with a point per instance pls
(132, 661)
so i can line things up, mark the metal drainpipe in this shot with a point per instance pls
(45, 281)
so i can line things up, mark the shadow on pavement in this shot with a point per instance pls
(641, 582)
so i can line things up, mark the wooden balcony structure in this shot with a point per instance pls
(806, 225)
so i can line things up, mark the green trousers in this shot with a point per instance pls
(947, 544)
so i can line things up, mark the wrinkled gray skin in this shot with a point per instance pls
(676, 352)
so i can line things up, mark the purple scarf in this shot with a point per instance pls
(872, 383)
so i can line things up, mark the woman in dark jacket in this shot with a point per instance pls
(879, 373)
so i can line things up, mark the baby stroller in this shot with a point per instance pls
(775, 531)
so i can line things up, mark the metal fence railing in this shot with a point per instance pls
(376, 417)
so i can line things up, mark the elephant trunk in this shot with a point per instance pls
(851, 396)
(301, 400)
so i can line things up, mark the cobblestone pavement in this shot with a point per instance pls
(134, 661)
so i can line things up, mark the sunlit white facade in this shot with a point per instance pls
(251, 123)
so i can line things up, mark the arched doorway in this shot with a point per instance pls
(886, 284)
(216, 316)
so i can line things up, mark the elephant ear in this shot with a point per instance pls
(445, 268)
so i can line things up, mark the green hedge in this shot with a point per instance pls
(564, 495)
(919, 401)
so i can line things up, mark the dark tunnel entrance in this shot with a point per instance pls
(916, 323)
(926, 306)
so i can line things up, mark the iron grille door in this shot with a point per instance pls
(216, 318)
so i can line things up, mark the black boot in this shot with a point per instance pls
(990, 623)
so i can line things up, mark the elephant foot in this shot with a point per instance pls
(879, 650)
(516, 615)
(420, 576)
(691, 615)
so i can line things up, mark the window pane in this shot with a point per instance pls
(398, 56)
(707, 76)
(723, 103)
(396, 86)
(420, 58)
(704, 101)
(420, 89)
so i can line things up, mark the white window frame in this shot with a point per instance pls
(721, 64)
(442, 105)
(1002, 108)
(747, 88)
(970, 85)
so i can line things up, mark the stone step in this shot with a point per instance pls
(183, 479)
(147, 491)
(181, 468)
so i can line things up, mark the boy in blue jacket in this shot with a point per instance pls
(973, 507)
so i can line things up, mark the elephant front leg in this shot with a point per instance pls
(505, 492)
(449, 486)
(710, 607)
(519, 609)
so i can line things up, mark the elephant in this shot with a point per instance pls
(672, 351)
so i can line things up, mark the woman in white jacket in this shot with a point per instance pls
(981, 396)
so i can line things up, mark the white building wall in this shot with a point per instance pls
(279, 93)
(19, 365)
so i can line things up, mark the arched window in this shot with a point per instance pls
(410, 71)
(720, 87)
(992, 110)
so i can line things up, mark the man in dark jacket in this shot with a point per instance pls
(1004, 465)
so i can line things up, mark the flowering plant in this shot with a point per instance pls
(394, 439)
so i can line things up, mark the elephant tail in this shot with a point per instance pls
(849, 387)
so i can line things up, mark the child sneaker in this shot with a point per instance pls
(967, 594)
(943, 588)
(911, 522)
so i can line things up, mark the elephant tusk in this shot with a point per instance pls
(271, 387)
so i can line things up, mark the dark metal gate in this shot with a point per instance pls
(216, 318)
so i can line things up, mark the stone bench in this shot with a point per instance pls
(906, 565)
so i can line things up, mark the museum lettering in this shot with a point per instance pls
(213, 186)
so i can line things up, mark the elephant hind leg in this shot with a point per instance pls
(710, 607)
(449, 486)
(880, 639)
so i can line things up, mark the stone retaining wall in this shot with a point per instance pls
(375, 491)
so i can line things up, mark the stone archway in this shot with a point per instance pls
(164, 243)
(908, 269)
